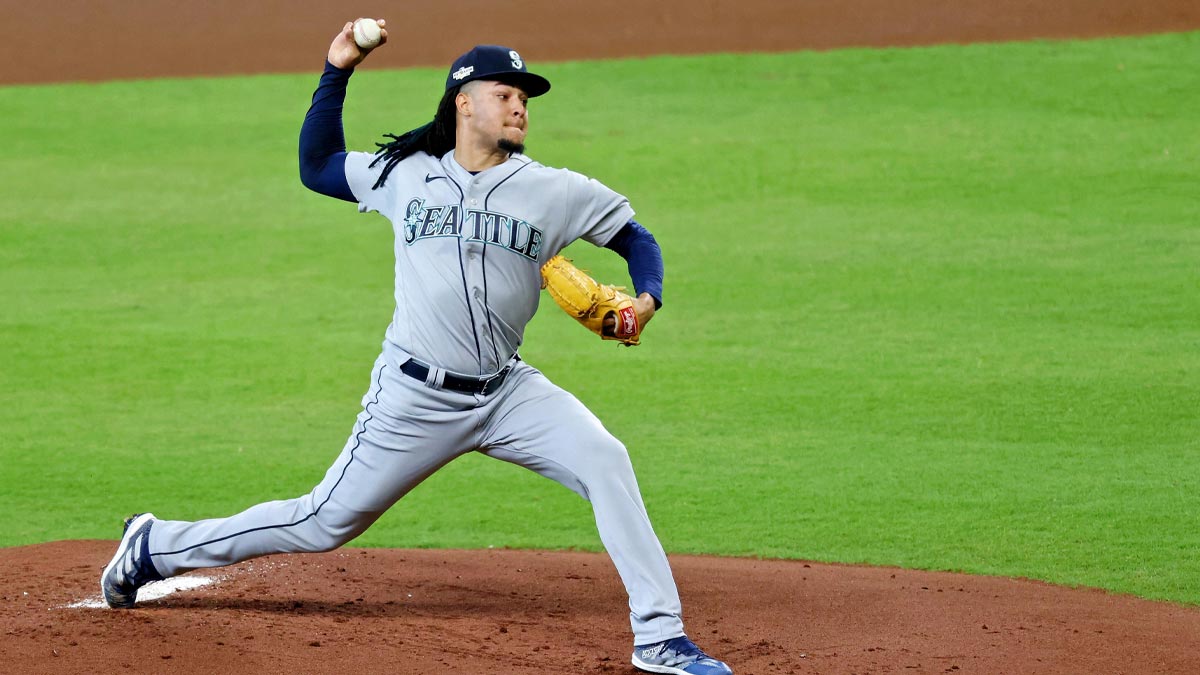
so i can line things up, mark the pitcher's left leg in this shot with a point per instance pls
(537, 425)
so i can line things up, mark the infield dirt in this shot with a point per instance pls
(500, 611)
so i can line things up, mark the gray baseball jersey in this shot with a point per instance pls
(469, 249)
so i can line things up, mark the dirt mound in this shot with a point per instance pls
(501, 611)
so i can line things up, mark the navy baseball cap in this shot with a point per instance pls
(493, 62)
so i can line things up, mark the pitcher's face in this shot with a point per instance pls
(495, 114)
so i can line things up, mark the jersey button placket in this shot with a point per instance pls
(472, 202)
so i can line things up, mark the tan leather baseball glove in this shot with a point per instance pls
(590, 302)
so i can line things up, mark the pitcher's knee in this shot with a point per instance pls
(331, 529)
(606, 459)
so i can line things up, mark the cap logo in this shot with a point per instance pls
(463, 72)
(516, 59)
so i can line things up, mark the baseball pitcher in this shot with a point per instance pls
(475, 222)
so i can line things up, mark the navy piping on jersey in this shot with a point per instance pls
(483, 262)
(463, 273)
(489, 194)
(357, 441)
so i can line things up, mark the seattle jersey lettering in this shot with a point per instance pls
(489, 227)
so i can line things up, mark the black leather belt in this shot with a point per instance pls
(467, 385)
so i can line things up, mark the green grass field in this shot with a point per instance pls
(936, 308)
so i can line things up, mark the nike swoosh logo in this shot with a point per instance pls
(429, 178)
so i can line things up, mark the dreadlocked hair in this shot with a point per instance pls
(435, 139)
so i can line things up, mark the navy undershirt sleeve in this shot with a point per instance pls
(322, 141)
(638, 247)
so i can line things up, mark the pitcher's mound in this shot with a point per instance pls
(500, 611)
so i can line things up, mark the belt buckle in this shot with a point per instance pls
(487, 384)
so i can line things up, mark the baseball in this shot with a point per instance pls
(366, 33)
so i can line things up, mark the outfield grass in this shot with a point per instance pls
(935, 307)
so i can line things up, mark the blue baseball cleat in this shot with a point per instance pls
(678, 655)
(130, 568)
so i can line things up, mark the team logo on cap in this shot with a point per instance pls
(463, 72)
(516, 59)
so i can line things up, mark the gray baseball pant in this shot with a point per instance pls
(407, 431)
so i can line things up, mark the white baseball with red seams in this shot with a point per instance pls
(367, 33)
